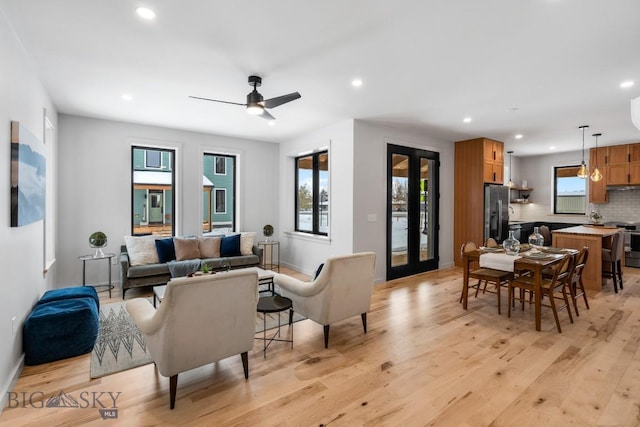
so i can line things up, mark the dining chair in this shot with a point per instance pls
(491, 243)
(612, 259)
(487, 275)
(576, 286)
(544, 230)
(549, 287)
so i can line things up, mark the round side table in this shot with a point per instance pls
(274, 304)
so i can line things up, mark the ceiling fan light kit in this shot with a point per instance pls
(256, 104)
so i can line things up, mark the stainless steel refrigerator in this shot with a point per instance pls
(496, 212)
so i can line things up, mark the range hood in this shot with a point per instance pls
(622, 187)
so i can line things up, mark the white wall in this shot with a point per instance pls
(22, 98)
(301, 251)
(370, 184)
(95, 185)
(538, 172)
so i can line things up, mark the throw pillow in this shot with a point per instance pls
(230, 246)
(186, 248)
(141, 250)
(166, 250)
(246, 242)
(209, 247)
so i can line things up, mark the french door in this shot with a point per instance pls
(412, 210)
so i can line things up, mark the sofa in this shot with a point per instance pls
(151, 260)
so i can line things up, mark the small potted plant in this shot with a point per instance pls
(526, 197)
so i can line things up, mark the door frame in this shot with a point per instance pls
(413, 265)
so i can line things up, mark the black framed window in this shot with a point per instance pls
(152, 191)
(219, 193)
(569, 191)
(312, 193)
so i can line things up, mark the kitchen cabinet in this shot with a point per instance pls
(493, 168)
(598, 190)
(477, 161)
(517, 194)
(623, 164)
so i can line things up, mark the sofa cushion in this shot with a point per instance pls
(166, 250)
(209, 247)
(186, 248)
(141, 250)
(246, 242)
(230, 246)
(147, 270)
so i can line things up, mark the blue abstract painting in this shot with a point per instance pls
(28, 178)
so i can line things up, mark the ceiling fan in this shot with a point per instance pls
(256, 104)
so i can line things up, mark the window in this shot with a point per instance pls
(312, 193)
(221, 165)
(219, 194)
(152, 191)
(221, 200)
(570, 192)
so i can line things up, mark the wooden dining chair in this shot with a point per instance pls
(487, 275)
(549, 287)
(544, 230)
(612, 259)
(576, 286)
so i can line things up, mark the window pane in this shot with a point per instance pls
(323, 180)
(399, 203)
(218, 193)
(152, 191)
(154, 159)
(570, 191)
(305, 194)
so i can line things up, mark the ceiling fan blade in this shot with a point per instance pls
(274, 102)
(266, 115)
(217, 100)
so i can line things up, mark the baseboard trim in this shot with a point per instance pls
(14, 379)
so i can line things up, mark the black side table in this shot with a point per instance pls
(274, 304)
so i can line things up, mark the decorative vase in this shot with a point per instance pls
(536, 239)
(511, 245)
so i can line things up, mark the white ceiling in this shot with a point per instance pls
(426, 64)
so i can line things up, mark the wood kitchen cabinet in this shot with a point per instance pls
(623, 164)
(477, 161)
(598, 190)
(493, 169)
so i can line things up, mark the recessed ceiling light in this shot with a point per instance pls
(553, 147)
(627, 84)
(467, 120)
(127, 97)
(519, 136)
(356, 82)
(272, 122)
(145, 13)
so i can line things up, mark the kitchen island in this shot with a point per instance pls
(593, 237)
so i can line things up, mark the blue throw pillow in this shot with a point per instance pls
(166, 250)
(230, 246)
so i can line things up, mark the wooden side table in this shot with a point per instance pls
(85, 258)
(269, 260)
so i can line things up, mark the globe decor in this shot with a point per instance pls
(267, 230)
(98, 240)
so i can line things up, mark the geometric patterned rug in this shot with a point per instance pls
(120, 345)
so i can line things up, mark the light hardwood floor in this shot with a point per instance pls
(424, 361)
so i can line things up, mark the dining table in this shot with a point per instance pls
(522, 262)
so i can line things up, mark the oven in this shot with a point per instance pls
(631, 243)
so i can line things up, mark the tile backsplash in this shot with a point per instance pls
(623, 206)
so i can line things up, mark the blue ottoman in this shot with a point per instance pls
(60, 329)
(72, 292)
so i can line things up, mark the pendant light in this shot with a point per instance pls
(596, 175)
(510, 182)
(583, 172)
